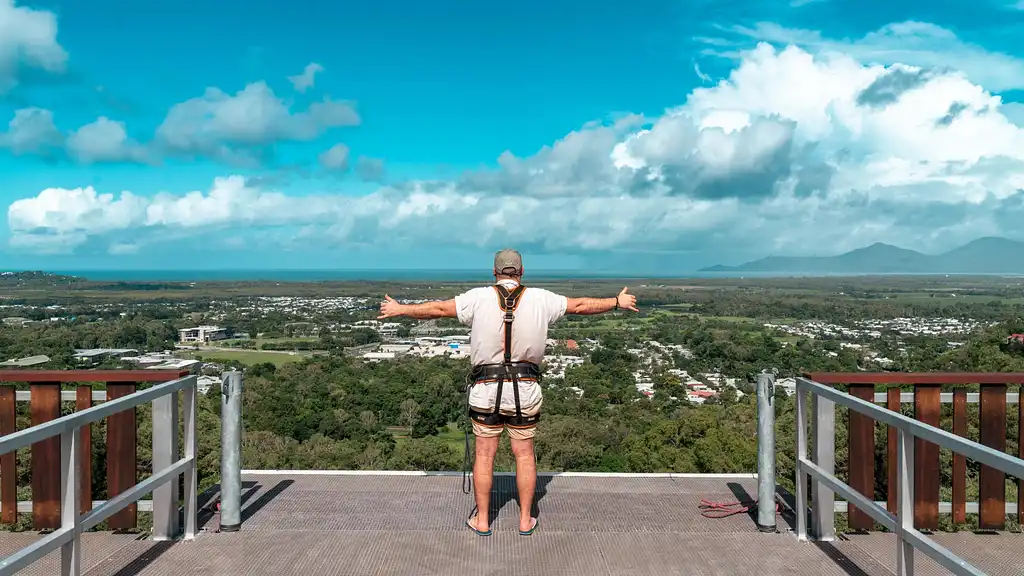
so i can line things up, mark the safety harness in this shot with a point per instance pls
(508, 370)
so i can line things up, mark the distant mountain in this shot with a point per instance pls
(983, 256)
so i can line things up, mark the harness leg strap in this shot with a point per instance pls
(515, 392)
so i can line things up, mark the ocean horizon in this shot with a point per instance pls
(339, 275)
(395, 275)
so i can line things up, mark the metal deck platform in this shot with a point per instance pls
(387, 524)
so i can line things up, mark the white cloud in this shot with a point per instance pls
(104, 140)
(32, 131)
(334, 158)
(229, 127)
(304, 81)
(28, 38)
(793, 152)
(912, 43)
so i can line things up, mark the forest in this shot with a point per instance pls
(334, 411)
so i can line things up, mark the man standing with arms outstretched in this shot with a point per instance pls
(509, 326)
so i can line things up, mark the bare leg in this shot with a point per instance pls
(526, 479)
(483, 476)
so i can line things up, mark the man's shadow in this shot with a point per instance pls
(504, 490)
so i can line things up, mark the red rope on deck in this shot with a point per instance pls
(716, 510)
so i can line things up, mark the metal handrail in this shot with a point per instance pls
(822, 469)
(163, 483)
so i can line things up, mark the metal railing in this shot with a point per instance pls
(822, 469)
(163, 483)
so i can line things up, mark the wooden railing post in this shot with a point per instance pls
(8, 461)
(45, 406)
(992, 482)
(927, 409)
(894, 403)
(959, 460)
(121, 459)
(83, 401)
(862, 457)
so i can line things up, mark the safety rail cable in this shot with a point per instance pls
(73, 523)
(902, 524)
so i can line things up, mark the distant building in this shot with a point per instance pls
(396, 348)
(571, 345)
(204, 383)
(700, 396)
(17, 321)
(97, 355)
(193, 366)
(378, 356)
(27, 361)
(788, 385)
(202, 334)
(147, 360)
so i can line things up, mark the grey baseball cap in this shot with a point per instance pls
(509, 262)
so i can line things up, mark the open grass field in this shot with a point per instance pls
(257, 343)
(249, 356)
(451, 435)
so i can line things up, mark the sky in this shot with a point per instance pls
(651, 136)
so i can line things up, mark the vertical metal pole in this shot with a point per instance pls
(70, 553)
(904, 502)
(823, 506)
(165, 454)
(231, 452)
(192, 474)
(801, 455)
(766, 453)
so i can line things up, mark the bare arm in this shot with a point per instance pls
(589, 305)
(598, 305)
(390, 308)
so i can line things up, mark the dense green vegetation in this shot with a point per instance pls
(333, 411)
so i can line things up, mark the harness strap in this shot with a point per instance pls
(508, 301)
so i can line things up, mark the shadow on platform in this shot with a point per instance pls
(208, 501)
(786, 519)
(504, 490)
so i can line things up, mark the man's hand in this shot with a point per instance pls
(600, 305)
(626, 301)
(389, 308)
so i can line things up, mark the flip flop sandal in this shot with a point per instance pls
(473, 528)
(529, 532)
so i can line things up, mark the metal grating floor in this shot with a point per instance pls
(413, 525)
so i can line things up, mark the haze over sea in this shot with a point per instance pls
(396, 275)
(347, 275)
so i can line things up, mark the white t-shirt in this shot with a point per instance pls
(479, 308)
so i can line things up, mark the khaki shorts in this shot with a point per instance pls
(514, 432)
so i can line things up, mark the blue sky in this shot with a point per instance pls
(655, 136)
